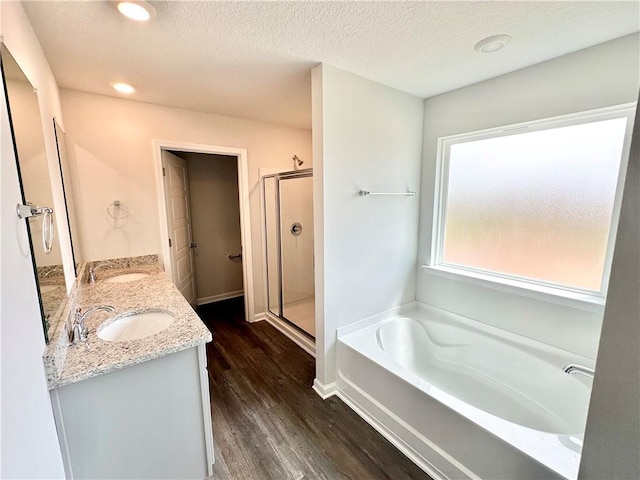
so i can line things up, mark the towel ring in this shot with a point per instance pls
(30, 211)
(117, 210)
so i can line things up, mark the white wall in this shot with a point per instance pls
(215, 223)
(29, 446)
(596, 77)
(110, 147)
(366, 136)
(612, 438)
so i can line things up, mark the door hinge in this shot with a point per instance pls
(164, 172)
(169, 243)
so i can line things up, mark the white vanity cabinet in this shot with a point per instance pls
(149, 420)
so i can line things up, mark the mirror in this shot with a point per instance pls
(67, 190)
(35, 183)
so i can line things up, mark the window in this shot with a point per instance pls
(535, 202)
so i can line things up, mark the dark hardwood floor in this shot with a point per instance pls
(267, 421)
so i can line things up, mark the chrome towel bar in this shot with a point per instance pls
(364, 193)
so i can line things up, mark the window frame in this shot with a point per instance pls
(555, 292)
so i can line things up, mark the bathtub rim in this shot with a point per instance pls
(514, 339)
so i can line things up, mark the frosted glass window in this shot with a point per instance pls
(535, 205)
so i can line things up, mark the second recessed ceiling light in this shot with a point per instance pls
(137, 10)
(492, 44)
(123, 87)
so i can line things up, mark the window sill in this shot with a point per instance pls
(582, 301)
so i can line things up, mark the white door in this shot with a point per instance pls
(176, 187)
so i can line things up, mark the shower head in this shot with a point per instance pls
(296, 162)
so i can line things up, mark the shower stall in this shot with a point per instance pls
(288, 226)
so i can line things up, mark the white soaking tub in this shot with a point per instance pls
(463, 399)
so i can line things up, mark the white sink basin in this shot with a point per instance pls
(135, 326)
(126, 277)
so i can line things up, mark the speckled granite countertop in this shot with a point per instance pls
(67, 364)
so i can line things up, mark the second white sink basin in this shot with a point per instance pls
(135, 326)
(126, 277)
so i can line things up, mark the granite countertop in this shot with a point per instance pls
(67, 364)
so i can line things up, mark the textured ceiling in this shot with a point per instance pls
(253, 59)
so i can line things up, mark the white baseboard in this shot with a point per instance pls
(402, 435)
(258, 317)
(293, 334)
(325, 391)
(392, 438)
(220, 297)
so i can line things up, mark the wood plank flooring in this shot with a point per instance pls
(267, 421)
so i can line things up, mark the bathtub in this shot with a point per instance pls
(463, 399)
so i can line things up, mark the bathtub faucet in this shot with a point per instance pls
(574, 368)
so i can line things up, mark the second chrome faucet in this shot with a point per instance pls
(92, 270)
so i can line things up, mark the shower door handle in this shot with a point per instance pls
(192, 245)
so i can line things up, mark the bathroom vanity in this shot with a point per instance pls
(135, 406)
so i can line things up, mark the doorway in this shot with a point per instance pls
(181, 250)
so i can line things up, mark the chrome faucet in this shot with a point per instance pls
(78, 331)
(575, 368)
(94, 267)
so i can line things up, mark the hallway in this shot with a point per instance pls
(267, 421)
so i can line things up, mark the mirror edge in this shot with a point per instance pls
(43, 317)
(57, 129)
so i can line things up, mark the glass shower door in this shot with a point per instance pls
(272, 233)
(296, 248)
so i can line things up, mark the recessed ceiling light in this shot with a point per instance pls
(123, 87)
(137, 10)
(492, 44)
